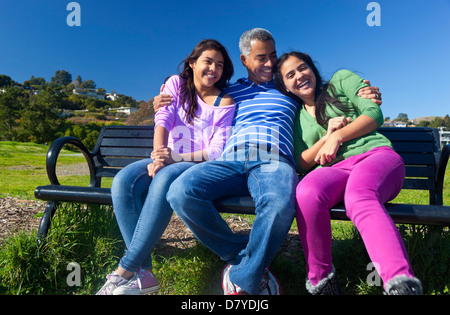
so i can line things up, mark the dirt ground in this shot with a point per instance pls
(19, 215)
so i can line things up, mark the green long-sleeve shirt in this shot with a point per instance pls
(307, 131)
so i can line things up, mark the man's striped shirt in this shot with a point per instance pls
(263, 117)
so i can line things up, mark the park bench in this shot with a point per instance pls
(118, 146)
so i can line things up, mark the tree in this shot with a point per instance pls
(447, 122)
(5, 80)
(144, 116)
(11, 104)
(89, 84)
(437, 122)
(402, 117)
(77, 82)
(423, 123)
(34, 81)
(62, 77)
(41, 119)
(125, 101)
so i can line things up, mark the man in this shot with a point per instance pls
(257, 160)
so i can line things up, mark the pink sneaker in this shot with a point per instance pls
(113, 281)
(143, 282)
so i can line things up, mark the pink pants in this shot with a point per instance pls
(364, 182)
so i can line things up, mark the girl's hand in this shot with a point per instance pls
(335, 124)
(165, 155)
(154, 168)
(328, 151)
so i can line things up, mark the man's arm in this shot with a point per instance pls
(161, 100)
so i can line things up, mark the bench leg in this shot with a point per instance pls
(46, 219)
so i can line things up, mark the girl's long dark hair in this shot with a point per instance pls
(322, 95)
(187, 90)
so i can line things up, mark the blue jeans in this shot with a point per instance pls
(142, 210)
(271, 183)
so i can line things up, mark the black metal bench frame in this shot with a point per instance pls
(118, 146)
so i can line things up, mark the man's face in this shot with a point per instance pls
(261, 61)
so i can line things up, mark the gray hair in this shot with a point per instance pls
(245, 42)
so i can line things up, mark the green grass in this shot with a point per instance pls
(22, 168)
(89, 236)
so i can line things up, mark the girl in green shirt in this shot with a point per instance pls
(337, 129)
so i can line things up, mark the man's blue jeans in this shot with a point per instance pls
(142, 210)
(270, 180)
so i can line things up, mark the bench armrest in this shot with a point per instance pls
(440, 173)
(53, 153)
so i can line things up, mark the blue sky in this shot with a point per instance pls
(131, 46)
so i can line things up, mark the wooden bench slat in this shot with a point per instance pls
(107, 172)
(128, 142)
(409, 137)
(129, 133)
(120, 151)
(404, 147)
(403, 134)
(418, 159)
(420, 171)
(419, 184)
(117, 161)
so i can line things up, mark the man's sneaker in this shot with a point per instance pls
(143, 282)
(229, 288)
(113, 281)
(269, 284)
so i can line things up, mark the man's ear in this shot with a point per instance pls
(243, 60)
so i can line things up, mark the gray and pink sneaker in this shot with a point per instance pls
(113, 281)
(143, 282)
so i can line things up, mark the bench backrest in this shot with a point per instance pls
(420, 149)
(118, 146)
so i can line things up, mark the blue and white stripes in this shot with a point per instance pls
(263, 117)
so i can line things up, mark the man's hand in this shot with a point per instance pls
(371, 92)
(161, 100)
